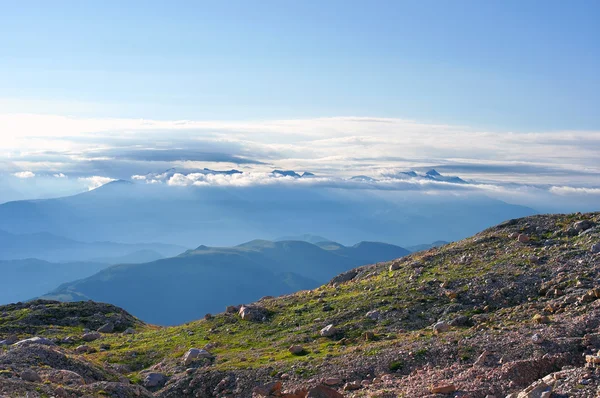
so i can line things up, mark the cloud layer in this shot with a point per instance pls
(90, 152)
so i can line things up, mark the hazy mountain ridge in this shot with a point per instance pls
(51, 247)
(203, 280)
(223, 216)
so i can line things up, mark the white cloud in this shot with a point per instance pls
(24, 174)
(59, 175)
(94, 182)
(565, 190)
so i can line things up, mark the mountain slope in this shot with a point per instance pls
(492, 314)
(183, 288)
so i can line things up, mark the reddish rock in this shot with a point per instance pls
(268, 389)
(443, 388)
(323, 392)
(523, 238)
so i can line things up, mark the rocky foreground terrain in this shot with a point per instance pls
(513, 311)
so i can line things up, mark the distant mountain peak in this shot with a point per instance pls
(433, 173)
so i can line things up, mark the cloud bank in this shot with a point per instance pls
(511, 165)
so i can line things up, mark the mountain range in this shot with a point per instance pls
(204, 280)
(127, 212)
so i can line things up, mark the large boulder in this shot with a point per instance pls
(30, 375)
(328, 331)
(154, 379)
(253, 313)
(195, 353)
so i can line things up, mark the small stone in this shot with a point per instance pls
(323, 392)
(443, 388)
(332, 381)
(267, 390)
(154, 380)
(523, 238)
(30, 375)
(107, 328)
(441, 327)
(328, 331)
(596, 248)
(195, 353)
(373, 314)
(82, 349)
(296, 350)
(538, 318)
(129, 331)
(91, 336)
(352, 386)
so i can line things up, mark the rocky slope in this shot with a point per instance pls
(512, 311)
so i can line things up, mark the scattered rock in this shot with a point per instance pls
(523, 238)
(65, 378)
(328, 331)
(332, 381)
(154, 380)
(296, 350)
(323, 392)
(129, 331)
(12, 339)
(538, 318)
(441, 327)
(83, 349)
(195, 353)
(91, 336)
(267, 390)
(344, 277)
(536, 390)
(107, 328)
(596, 248)
(581, 226)
(352, 386)
(30, 375)
(253, 313)
(443, 388)
(373, 314)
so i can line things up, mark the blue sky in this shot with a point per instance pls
(513, 65)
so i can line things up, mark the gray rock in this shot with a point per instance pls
(328, 331)
(296, 350)
(345, 277)
(91, 336)
(253, 313)
(580, 226)
(129, 331)
(441, 327)
(154, 380)
(34, 340)
(107, 328)
(30, 375)
(373, 314)
(596, 248)
(194, 354)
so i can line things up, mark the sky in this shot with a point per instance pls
(496, 92)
